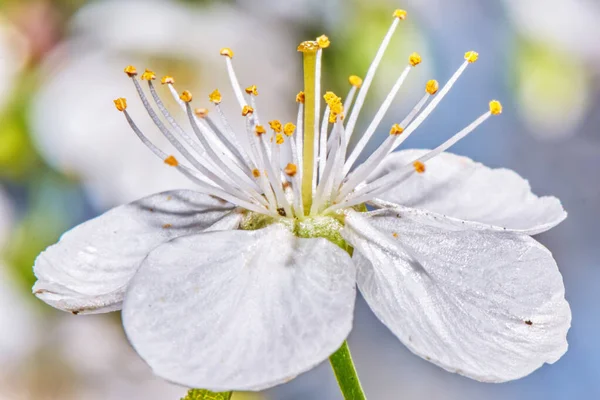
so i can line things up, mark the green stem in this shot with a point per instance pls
(203, 394)
(345, 373)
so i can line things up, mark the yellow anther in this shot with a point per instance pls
(323, 41)
(252, 90)
(290, 169)
(130, 70)
(309, 46)
(396, 130)
(414, 59)
(432, 87)
(400, 14)
(279, 138)
(247, 110)
(419, 167)
(260, 130)
(255, 173)
(471, 56)
(300, 97)
(395, 234)
(275, 125)
(215, 96)
(167, 80)
(148, 75)
(495, 107)
(330, 97)
(201, 112)
(186, 96)
(355, 81)
(121, 103)
(172, 161)
(289, 129)
(227, 52)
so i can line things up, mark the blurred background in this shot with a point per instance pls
(66, 155)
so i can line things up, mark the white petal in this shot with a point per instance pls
(487, 305)
(461, 188)
(88, 270)
(240, 310)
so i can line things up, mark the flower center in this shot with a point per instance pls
(298, 172)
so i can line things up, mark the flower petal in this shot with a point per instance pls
(88, 270)
(487, 305)
(240, 310)
(461, 188)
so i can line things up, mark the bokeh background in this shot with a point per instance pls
(66, 155)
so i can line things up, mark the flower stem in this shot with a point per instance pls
(203, 394)
(345, 373)
(310, 65)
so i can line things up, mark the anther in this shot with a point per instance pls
(471, 56)
(167, 80)
(247, 110)
(289, 129)
(432, 87)
(130, 71)
(215, 96)
(252, 90)
(400, 14)
(414, 59)
(290, 169)
(255, 173)
(186, 96)
(355, 81)
(396, 130)
(275, 125)
(495, 107)
(300, 97)
(172, 161)
(121, 103)
(309, 46)
(260, 130)
(419, 167)
(227, 52)
(148, 75)
(323, 41)
(201, 112)
(279, 138)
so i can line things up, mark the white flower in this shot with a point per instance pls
(80, 135)
(245, 283)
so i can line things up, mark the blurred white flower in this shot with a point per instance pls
(74, 123)
(13, 56)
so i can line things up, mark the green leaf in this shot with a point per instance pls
(203, 394)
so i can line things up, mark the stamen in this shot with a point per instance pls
(121, 103)
(235, 84)
(130, 71)
(252, 90)
(275, 125)
(148, 75)
(291, 169)
(172, 161)
(355, 84)
(419, 167)
(167, 80)
(215, 96)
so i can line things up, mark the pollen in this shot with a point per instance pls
(495, 107)
(396, 130)
(201, 112)
(252, 90)
(275, 125)
(290, 169)
(167, 80)
(260, 130)
(419, 167)
(323, 41)
(247, 110)
(395, 235)
(279, 138)
(414, 59)
(255, 173)
(471, 56)
(355, 81)
(121, 103)
(400, 14)
(289, 129)
(148, 75)
(227, 52)
(215, 96)
(172, 161)
(300, 97)
(130, 71)
(309, 46)
(432, 87)
(186, 96)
